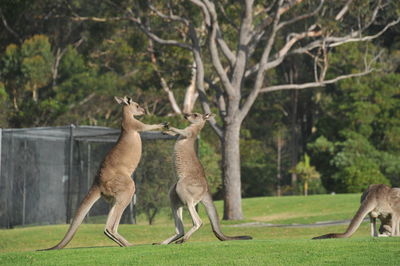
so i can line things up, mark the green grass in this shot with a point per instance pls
(278, 210)
(271, 245)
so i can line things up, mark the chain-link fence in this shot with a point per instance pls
(46, 172)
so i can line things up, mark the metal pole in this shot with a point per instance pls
(89, 159)
(1, 176)
(1, 139)
(10, 190)
(71, 158)
(24, 185)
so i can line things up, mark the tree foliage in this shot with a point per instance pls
(306, 172)
(355, 145)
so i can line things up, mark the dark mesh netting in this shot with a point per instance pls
(46, 172)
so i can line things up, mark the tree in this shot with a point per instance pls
(306, 172)
(26, 70)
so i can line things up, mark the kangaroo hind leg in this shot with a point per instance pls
(395, 225)
(114, 218)
(176, 207)
(179, 230)
(197, 223)
(374, 231)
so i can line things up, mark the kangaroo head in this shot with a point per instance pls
(131, 106)
(196, 118)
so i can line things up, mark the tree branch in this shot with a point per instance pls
(171, 16)
(327, 41)
(313, 84)
(153, 36)
(260, 31)
(95, 19)
(229, 55)
(200, 79)
(263, 62)
(305, 16)
(216, 61)
(163, 82)
(221, 103)
(244, 39)
(3, 19)
(336, 41)
(343, 11)
(289, 44)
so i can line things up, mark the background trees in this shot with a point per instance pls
(249, 60)
(245, 41)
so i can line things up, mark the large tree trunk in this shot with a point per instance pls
(231, 172)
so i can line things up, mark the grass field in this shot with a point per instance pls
(271, 245)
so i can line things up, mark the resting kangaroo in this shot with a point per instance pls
(379, 201)
(191, 187)
(113, 180)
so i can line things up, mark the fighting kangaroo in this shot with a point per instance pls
(379, 201)
(113, 180)
(191, 187)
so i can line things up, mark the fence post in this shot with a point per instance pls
(1, 140)
(24, 184)
(1, 135)
(70, 169)
(88, 170)
(5, 201)
(10, 182)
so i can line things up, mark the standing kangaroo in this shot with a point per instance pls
(113, 180)
(191, 187)
(379, 201)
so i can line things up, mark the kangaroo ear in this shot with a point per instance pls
(128, 100)
(120, 100)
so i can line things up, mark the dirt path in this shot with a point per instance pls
(317, 224)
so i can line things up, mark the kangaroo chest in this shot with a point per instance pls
(123, 158)
(187, 164)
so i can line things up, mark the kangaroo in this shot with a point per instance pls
(379, 201)
(385, 229)
(113, 180)
(191, 187)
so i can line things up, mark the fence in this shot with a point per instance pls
(46, 172)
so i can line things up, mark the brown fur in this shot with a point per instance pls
(192, 186)
(385, 229)
(113, 180)
(379, 201)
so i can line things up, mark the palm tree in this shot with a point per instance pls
(305, 172)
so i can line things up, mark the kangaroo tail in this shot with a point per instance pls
(214, 220)
(364, 209)
(87, 203)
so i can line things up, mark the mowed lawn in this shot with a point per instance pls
(271, 245)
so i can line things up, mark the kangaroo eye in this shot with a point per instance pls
(195, 115)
